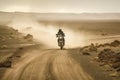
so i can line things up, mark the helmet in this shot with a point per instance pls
(60, 29)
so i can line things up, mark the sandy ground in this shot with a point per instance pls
(46, 65)
(91, 66)
(54, 64)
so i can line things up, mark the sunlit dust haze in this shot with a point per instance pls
(46, 34)
(79, 30)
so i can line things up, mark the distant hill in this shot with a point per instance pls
(98, 23)
(63, 16)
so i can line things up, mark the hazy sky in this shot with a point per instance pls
(73, 6)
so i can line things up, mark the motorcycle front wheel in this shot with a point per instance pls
(61, 47)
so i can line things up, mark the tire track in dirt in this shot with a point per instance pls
(15, 72)
(65, 68)
(48, 65)
(40, 68)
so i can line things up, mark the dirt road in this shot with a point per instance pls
(46, 65)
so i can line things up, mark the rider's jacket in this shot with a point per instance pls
(60, 32)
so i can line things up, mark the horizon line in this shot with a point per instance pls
(62, 12)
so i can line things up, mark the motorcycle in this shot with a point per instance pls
(61, 41)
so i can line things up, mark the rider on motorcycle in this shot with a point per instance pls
(60, 32)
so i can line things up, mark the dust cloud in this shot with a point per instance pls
(46, 34)
(76, 35)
